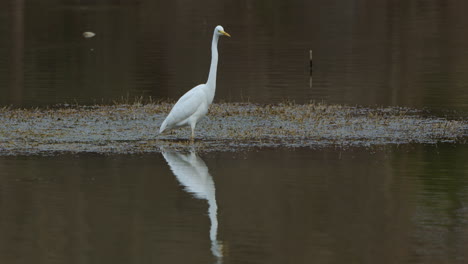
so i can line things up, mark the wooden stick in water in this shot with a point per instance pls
(310, 61)
(310, 68)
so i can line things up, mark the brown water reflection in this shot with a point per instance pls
(410, 53)
(399, 205)
(396, 205)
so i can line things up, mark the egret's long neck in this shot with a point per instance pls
(214, 63)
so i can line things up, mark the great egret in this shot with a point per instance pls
(193, 105)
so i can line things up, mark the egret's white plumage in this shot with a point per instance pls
(193, 105)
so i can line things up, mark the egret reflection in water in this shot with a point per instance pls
(192, 172)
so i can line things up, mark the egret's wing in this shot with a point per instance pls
(186, 106)
(190, 94)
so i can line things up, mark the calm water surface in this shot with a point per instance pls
(409, 53)
(398, 205)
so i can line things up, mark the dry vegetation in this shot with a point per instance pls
(133, 128)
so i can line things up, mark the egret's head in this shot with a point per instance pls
(220, 31)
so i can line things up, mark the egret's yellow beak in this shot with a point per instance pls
(224, 33)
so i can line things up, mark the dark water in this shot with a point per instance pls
(410, 53)
(398, 205)
(406, 204)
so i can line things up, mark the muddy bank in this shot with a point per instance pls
(229, 126)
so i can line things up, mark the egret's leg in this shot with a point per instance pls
(193, 132)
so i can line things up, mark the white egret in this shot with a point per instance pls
(193, 105)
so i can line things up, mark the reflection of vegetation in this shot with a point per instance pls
(444, 172)
(442, 201)
(445, 180)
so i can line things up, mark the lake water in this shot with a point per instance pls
(366, 52)
(406, 204)
(385, 204)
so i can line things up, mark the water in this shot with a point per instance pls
(393, 205)
(367, 52)
(385, 204)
